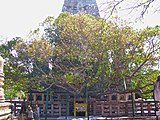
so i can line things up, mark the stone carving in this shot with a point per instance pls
(1, 65)
(4, 107)
(1, 80)
(87, 6)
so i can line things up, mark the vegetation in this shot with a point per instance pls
(81, 50)
(139, 7)
(15, 76)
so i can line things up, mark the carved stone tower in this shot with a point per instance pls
(4, 107)
(74, 6)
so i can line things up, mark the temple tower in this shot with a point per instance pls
(74, 6)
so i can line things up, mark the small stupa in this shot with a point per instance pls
(4, 107)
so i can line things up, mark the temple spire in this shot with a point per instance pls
(74, 6)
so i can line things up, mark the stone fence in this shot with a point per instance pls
(95, 107)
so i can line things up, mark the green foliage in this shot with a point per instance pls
(113, 53)
(35, 57)
(15, 77)
(84, 50)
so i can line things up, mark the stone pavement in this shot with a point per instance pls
(82, 118)
(104, 118)
(98, 118)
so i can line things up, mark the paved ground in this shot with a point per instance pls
(109, 118)
(104, 118)
(99, 118)
(82, 118)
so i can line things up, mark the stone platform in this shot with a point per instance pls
(99, 118)
(4, 111)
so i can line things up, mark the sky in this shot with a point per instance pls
(19, 17)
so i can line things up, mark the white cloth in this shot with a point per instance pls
(30, 114)
(37, 112)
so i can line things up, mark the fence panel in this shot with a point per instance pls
(97, 108)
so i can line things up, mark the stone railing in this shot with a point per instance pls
(96, 108)
(129, 108)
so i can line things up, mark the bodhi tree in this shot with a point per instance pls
(71, 58)
(93, 52)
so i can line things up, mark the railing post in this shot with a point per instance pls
(149, 108)
(14, 108)
(126, 108)
(31, 97)
(46, 115)
(155, 104)
(102, 108)
(118, 108)
(94, 108)
(132, 103)
(67, 104)
(110, 108)
(75, 95)
(87, 113)
(142, 111)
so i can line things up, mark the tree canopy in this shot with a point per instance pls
(15, 76)
(81, 50)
